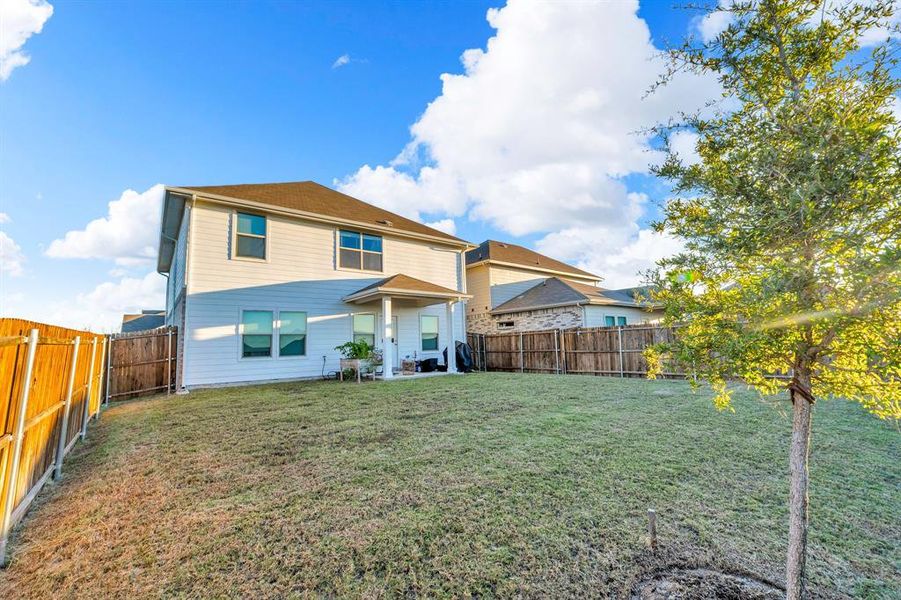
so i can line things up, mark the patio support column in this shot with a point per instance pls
(387, 339)
(451, 339)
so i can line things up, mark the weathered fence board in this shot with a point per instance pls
(38, 366)
(612, 351)
(142, 362)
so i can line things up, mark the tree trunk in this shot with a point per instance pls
(802, 411)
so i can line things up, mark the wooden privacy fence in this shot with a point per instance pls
(142, 362)
(613, 351)
(51, 379)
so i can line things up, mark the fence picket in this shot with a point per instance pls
(615, 351)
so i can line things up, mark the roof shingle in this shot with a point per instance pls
(492, 250)
(311, 197)
(560, 292)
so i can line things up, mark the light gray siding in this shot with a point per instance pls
(594, 315)
(299, 274)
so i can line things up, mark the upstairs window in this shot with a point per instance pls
(292, 333)
(256, 333)
(360, 251)
(364, 328)
(250, 241)
(428, 331)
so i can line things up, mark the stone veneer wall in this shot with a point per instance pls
(561, 317)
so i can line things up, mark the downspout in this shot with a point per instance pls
(183, 335)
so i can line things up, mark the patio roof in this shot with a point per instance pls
(405, 287)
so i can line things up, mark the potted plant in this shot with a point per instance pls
(359, 356)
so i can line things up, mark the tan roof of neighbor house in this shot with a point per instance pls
(561, 292)
(404, 284)
(311, 197)
(505, 252)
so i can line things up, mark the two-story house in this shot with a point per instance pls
(517, 289)
(265, 280)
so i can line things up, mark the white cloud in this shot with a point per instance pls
(342, 60)
(129, 234)
(684, 144)
(4, 218)
(617, 256)
(101, 309)
(537, 133)
(19, 20)
(12, 259)
(448, 226)
(715, 22)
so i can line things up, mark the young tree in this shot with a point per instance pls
(791, 220)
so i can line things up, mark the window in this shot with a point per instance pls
(360, 251)
(505, 325)
(256, 333)
(364, 328)
(609, 321)
(292, 333)
(620, 321)
(428, 331)
(250, 238)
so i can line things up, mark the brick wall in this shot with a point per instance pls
(562, 317)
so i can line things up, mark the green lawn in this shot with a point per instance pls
(483, 485)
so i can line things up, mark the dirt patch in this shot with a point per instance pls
(685, 584)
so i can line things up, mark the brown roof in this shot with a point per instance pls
(406, 284)
(554, 291)
(311, 197)
(511, 253)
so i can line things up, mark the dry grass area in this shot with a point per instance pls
(483, 485)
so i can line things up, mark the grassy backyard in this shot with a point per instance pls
(489, 485)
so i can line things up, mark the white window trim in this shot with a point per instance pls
(275, 352)
(234, 237)
(273, 346)
(278, 329)
(375, 333)
(437, 350)
(337, 241)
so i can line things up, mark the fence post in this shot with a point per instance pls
(563, 350)
(87, 400)
(99, 376)
(619, 337)
(19, 437)
(64, 429)
(556, 354)
(169, 361)
(109, 361)
(521, 364)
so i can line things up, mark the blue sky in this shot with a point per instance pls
(122, 96)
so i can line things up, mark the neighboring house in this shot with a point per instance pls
(266, 279)
(557, 303)
(146, 319)
(517, 289)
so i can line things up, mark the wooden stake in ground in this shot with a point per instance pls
(652, 528)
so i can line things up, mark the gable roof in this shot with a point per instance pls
(512, 254)
(560, 292)
(302, 198)
(146, 319)
(404, 285)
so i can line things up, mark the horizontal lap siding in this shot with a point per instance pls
(594, 315)
(507, 283)
(299, 275)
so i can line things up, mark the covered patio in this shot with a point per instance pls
(403, 291)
